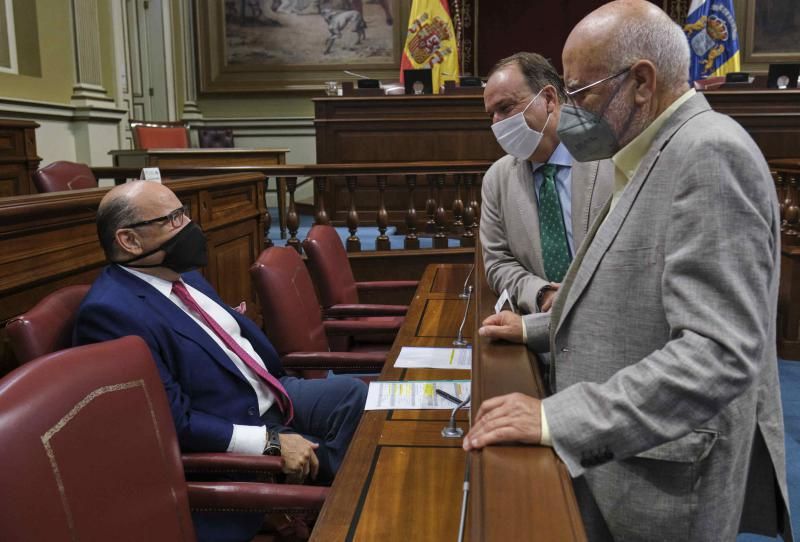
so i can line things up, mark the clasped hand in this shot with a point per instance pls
(515, 417)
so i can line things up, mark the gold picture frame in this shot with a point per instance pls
(290, 45)
(772, 32)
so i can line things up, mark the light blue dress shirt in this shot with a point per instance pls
(563, 159)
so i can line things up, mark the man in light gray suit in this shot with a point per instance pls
(523, 96)
(666, 407)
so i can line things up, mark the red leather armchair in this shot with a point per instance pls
(338, 289)
(293, 320)
(90, 453)
(62, 175)
(47, 327)
(159, 135)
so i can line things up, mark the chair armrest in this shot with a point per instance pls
(379, 285)
(334, 360)
(361, 327)
(231, 463)
(253, 496)
(363, 309)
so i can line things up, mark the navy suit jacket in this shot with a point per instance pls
(207, 393)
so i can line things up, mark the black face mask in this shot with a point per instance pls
(185, 251)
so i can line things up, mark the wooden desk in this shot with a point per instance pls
(18, 159)
(401, 480)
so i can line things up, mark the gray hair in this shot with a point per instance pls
(536, 70)
(655, 38)
(113, 215)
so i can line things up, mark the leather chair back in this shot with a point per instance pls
(328, 263)
(292, 315)
(47, 327)
(89, 449)
(210, 138)
(63, 175)
(159, 135)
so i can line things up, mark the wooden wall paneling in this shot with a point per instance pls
(18, 158)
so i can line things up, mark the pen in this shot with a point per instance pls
(447, 396)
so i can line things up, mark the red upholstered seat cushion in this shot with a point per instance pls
(152, 137)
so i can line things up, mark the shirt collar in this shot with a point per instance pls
(560, 157)
(163, 286)
(627, 160)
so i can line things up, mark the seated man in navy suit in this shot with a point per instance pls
(225, 384)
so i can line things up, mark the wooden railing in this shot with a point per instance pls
(450, 207)
(786, 174)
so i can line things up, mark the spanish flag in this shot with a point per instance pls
(713, 37)
(431, 42)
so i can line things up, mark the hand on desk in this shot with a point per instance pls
(507, 418)
(505, 325)
(299, 459)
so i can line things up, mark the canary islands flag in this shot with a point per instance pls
(431, 42)
(711, 30)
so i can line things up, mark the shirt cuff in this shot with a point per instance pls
(248, 439)
(524, 332)
(545, 440)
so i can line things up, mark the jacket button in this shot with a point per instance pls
(565, 350)
(252, 411)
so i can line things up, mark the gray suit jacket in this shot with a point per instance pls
(662, 344)
(509, 225)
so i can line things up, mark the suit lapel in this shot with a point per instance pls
(528, 209)
(604, 232)
(180, 322)
(583, 179)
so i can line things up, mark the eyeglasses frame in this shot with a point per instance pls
(172, 216)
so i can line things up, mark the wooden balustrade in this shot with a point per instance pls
(451, 208)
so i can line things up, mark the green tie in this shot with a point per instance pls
(555, 250)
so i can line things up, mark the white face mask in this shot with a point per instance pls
(516, 137)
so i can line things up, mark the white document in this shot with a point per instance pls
(415, 394)
(434, 358)
(502, 300)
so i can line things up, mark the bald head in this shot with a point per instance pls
(617, 34)
(127, 204)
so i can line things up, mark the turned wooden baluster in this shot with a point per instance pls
(411, 241)
(353, 242)
(458, 206)
(320, 215)
(792, 213)
(440, 237)
(473, 201)
(430, 206)
(780, 190)
(292, 219)
(468, 235)
(382, 218)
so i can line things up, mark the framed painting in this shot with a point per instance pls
(772, 31)
(295, 45)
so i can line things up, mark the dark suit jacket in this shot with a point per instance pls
(206, 391)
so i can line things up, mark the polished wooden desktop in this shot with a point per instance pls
(401, 480)
(198, 157)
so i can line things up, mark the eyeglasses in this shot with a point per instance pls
(572, 93)
(175, 218)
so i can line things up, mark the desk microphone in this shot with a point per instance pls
(354, 74)
(464, 501)
(451, 430)
(464, 294)
(460, 338)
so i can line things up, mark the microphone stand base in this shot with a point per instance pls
(460, 342)
(452, 432)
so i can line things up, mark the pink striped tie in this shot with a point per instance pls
(281, 397)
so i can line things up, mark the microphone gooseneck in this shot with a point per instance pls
(451, 430)
(464, 501)
(460, 338)
(464, 294)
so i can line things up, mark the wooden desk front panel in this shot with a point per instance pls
(166, 158)
(18, 158)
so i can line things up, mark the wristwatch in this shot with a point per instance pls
(273, 446)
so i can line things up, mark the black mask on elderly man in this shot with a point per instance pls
(185, 251)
